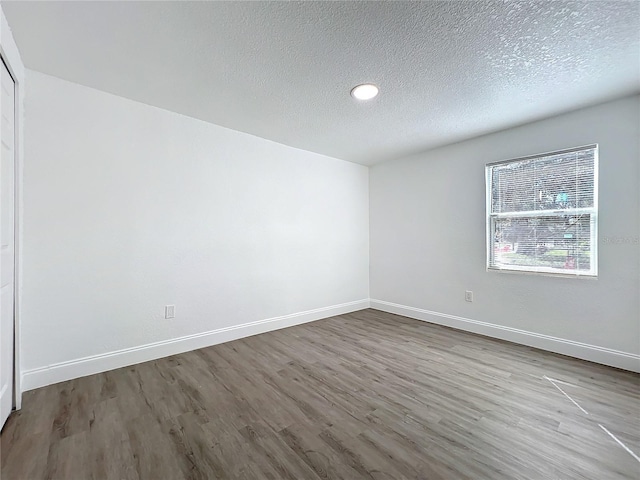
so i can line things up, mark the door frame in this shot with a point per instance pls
(11, 57)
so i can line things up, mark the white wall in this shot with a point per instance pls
(427, 226)
(128, 208)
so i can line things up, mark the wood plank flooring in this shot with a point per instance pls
(368, 395)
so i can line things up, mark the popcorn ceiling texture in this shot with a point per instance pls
(283, 71)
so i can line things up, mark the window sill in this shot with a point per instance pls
(543, 273)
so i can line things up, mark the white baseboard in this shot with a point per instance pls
(81, 367)
(593, 353)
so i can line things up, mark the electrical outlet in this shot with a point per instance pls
(170, 311)
(468, 296)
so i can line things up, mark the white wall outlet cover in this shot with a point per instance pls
(170, 311)
(468, 296)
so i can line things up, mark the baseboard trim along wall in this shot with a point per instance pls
(593, 353)
(82, 367)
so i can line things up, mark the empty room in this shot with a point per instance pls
(320, 240)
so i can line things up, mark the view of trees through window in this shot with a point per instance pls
(542, 213)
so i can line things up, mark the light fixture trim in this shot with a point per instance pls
(365, 91)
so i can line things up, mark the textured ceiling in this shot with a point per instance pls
(283, 70)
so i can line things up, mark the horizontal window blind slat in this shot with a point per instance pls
(543, 213)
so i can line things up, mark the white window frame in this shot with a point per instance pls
(592, 211)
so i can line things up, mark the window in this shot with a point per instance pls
(542, 213)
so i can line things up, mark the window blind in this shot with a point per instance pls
(542, 213)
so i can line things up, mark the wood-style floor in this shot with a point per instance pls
(365, 395)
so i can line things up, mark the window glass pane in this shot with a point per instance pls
(551, 182)
(544, 243)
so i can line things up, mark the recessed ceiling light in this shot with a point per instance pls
(366, 91)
